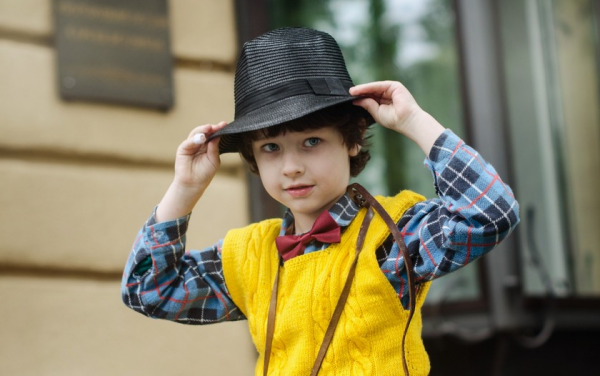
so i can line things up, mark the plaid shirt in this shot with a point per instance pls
(474, 212)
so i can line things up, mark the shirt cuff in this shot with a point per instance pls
(444, 148)
(157, 239)
(165, 232)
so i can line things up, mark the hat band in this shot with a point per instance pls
(318, 86)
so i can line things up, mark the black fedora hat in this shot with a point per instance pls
(283, 75)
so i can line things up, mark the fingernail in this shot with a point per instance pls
(199, 138)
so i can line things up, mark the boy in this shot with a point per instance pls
(312, 303)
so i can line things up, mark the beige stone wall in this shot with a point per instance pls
(78, 179)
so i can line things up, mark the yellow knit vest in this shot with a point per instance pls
(367, 340)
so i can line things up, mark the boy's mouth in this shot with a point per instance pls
(299, 191)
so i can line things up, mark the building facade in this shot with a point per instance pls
(79, 178)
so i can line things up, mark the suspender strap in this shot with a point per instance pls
(361, 195)
(364, 199)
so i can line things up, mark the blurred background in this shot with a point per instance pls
(95, 96)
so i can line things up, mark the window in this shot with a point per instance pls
(551, 58)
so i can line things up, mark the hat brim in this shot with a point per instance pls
(282, 111)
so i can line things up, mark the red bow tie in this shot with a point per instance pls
(325, 230)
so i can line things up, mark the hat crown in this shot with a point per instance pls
(284, 55)
(284, 75)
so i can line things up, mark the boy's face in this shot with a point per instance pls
(305, 171)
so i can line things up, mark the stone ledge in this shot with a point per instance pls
(81, 217)
(77, 327)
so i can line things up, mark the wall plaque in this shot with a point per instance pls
(114, 51)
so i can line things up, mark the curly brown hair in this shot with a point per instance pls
(347, 118)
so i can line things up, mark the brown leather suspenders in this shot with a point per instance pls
(364, 199)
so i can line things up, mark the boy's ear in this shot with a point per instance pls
(353, 151)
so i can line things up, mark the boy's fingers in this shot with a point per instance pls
(220, 125)
(368, 104)
(371, 88)
(207, 129)
(199, 129)
(213, 147)
(200, 134)
(199, 138)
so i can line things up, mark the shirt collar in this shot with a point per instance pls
(342, 212)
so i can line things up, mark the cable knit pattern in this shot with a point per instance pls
(367, 340)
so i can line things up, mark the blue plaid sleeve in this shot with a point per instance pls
(474, 211)
(163, 281)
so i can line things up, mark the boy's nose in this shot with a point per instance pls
(292, 165)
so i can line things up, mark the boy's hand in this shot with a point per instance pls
(196, 163)
(394, 107)
(389, 102)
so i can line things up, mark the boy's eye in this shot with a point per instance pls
(313, 141)
(269, 148)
